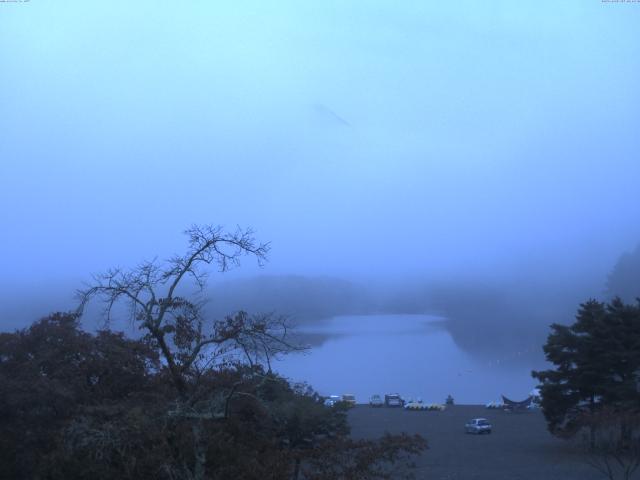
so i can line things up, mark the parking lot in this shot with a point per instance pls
(520, 447)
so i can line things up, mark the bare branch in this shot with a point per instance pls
(176, 324)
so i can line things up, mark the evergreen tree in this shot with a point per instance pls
(597, 365)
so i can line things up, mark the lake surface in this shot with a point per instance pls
(413, 355)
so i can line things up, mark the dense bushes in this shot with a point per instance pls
(102, 406)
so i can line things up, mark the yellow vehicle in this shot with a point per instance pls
(349, 398)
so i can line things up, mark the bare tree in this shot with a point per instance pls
(176, 325)
(612, 445)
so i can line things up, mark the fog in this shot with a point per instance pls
(475, 161)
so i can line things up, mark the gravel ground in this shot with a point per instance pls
(520, 448)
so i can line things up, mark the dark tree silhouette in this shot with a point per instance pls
(176, 326)
(101, 406)
(596, 378)
(51, 375)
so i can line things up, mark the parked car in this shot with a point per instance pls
(331, 400)
(349, 398)
(478, 426)
(393, 400)
(376, 401)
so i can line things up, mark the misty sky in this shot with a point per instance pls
(361, 138)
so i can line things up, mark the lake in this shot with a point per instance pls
(413, 355)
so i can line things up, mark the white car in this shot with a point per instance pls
(331, 400)
(393, 400)
(478, 426)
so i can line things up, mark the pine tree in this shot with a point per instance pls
(597, 365)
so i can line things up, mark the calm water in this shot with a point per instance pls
(409, 354)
